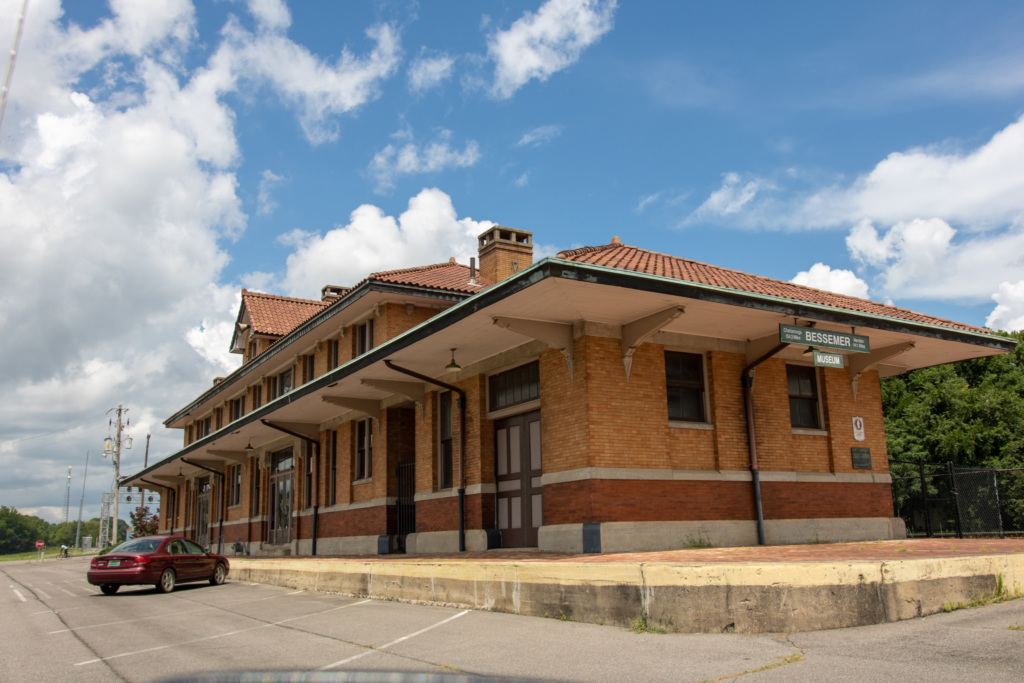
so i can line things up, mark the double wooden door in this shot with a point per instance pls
(281, 493)
(203, 512)
(518, 469)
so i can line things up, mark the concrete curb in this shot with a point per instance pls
(691, 598)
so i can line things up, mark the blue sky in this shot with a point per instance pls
(157, 156)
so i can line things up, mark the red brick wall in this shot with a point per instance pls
(614, 500)
(442, 514)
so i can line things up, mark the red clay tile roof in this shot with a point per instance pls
(453, 277)
(639, 260)
(278, 315)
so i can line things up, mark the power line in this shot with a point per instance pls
(47, 445)
(58, 431)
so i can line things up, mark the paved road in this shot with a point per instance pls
(55, 627)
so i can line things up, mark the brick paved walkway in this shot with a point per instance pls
(831, 552)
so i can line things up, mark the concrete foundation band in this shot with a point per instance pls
(766, 597)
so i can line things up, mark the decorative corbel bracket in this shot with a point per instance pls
(858, 363)
(366, 406)
(556, 335)
(414, 391)
(634, 333)
(240, 457)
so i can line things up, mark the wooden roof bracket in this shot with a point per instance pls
(556, 335)
(635, 333)
(366, 406)
(414, 391)
(862, 362)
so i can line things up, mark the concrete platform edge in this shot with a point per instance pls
(782, 597)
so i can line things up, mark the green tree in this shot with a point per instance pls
(144, 523)
(970, 413)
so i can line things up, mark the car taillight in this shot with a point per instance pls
(95, 562)
(141, 559)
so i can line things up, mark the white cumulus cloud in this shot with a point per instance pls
(429, 231)
(1008, 314)
(821, 276)
(427, 72)
(542, 44)
(730, 198)
(540, 135)
(411, 158)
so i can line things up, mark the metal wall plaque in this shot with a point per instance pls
(858, 428)
(809, 336)
(828, 359)
(861, 458)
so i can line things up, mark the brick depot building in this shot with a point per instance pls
(607, 399)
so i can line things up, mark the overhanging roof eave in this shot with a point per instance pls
(318, 319)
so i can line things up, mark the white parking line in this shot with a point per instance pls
(222, 635)
(19, 595)
(68, 592)
(393, 642)
(39, 590)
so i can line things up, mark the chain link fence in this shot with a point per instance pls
(942, 499)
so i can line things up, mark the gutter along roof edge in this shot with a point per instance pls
(445, 318)
(832, 311)
(329, 312)
(555, 267)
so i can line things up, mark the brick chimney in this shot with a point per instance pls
(504, 252)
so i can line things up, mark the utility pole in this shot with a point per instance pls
(67, 496)
(117, 472)
(78, 531)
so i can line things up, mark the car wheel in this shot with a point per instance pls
(167, 580)
(220, 575)
(109, 588)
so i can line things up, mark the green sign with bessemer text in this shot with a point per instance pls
(809, 336)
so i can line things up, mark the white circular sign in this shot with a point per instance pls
(858, 428)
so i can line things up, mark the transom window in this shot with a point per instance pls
(803, 396)
(515, 386)
(684, 381)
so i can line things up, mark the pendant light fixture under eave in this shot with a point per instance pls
(453, 366)
(248, 446)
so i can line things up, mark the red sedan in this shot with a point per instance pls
(157, 561)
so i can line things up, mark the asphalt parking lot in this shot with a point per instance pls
(56, 627)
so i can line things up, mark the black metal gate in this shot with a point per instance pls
(941, 499)
(406, 501)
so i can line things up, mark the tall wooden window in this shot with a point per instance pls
(307, 489)
(445, 452)
(803, 396)
(684, 380)
(204, 427)
(332, 354)
(332, 470)
(364, 337)
(515, 386)
(257, 397)
(310, 367)
(234, 485)
(255, 488)
(364, 449)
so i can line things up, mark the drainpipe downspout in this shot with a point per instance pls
(223, 501)
(315, 443)
(748, 401)
(462, 442)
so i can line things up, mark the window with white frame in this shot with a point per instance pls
(364, 337)
(364, 449)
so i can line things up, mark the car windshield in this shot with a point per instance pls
(142, 545)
